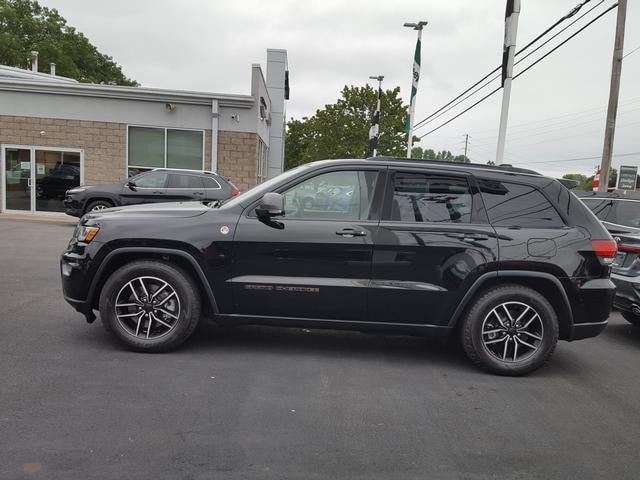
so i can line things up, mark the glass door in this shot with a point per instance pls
(18, 179)
(36, 178)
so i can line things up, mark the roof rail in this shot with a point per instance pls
(503, 167)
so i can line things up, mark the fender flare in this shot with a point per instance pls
(483, 279)
(159, 251)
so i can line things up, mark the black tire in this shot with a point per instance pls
(631, 318)
(482, 314)
(98, 205)
(183, 324)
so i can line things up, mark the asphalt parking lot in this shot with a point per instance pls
(260, 403)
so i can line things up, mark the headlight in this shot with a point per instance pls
(86, 234)
(76, 190)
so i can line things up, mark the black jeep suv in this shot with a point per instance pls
(507, 259)
(158, 185)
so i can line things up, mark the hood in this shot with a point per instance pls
(151, 211)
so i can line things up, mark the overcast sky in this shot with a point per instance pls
(558, 108)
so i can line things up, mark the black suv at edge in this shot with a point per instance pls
(159, 185)
(508, 260)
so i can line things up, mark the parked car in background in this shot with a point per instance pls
(56, 183)
(505, 259)
(620, 214)
(159, 185)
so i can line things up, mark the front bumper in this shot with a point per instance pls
(72, 207)
(74, 272)
(627, 293)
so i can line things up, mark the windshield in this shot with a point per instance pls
(264, 187)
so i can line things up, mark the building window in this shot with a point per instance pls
(263, 161)
(151, 148)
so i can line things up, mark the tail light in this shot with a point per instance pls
(629, 248)
(235, 192)
(605, 250)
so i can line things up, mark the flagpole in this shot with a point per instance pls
(415, 78)
(374, 133)
(510, 33)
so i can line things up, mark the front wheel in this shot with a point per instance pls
(150, 306)
(510, 330)
(631, 318)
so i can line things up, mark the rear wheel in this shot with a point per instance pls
(150, 306)
(631, 318)
(98, 205)
(510, 330)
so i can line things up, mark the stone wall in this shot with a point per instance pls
(238, 157)
(105, 147)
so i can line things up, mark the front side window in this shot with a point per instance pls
(151, 147)
(151, 180)
(341, 195)
(420, 198)
(514, 205)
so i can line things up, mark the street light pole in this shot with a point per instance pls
(415, 78)
(374, 133)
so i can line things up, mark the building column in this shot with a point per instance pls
(215, 114)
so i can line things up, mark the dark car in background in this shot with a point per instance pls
(159, 185)
(620, 214)
(59, 180)
(505, 259)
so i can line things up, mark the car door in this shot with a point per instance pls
(184, 187)
(147, 188)
(432, 243)
(314, 262)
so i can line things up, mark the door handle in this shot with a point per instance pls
(198, 193)
(351, 232)
(157, 193)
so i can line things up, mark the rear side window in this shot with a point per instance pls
(601, 207)
(626, 213)
(177, 180)
(423, 198)
(513, 205)
(210, 182)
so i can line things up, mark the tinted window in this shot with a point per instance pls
(151, 180)
(428, 198)
(626, 213)
(513, 205)
(210, 182)
(185, 181)
(600, 206)
(342, 195)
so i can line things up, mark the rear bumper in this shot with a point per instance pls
(592, 308)
(627, 293)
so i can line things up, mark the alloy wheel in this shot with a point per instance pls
(147, 307)
(98, 208)
(512, 332)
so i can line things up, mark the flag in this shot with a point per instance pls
(510, 25)
(414, 86)
(375, 126)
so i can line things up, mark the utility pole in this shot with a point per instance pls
(466, 145)
(415, 78)
(509, 52)
(614, 93)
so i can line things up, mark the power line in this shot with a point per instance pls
(566, 40)
(523, 71)
(630, 154)
(570, 14)
(634, 50)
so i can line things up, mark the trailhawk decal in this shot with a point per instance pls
(283, 288)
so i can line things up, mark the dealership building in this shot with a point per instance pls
(55, 129)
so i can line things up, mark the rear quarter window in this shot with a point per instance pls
(515, 205)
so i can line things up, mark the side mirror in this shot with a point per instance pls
(272, 205)
(131, 185)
